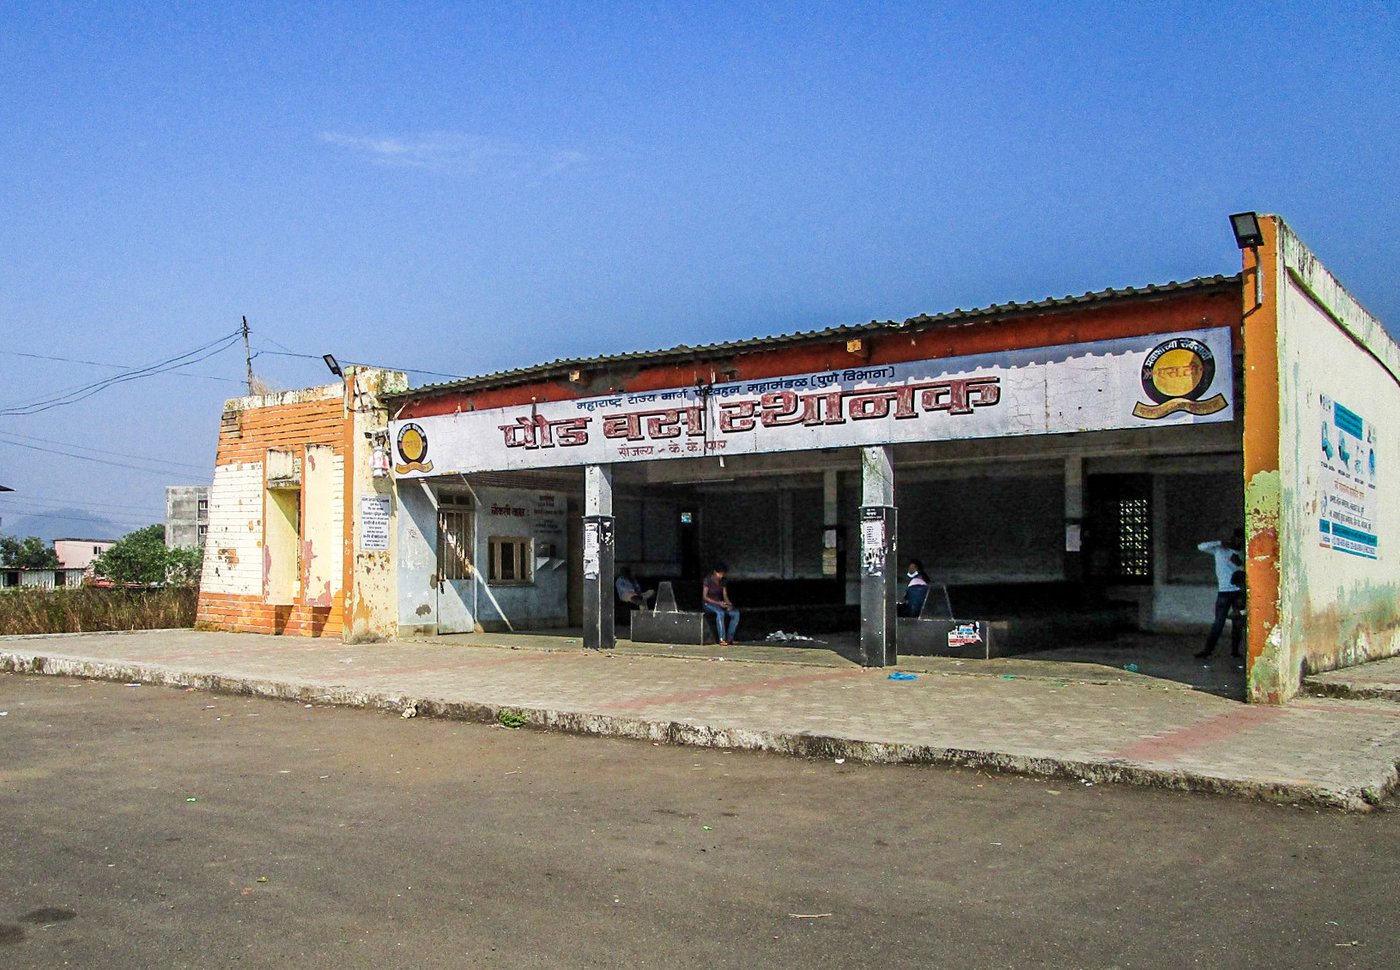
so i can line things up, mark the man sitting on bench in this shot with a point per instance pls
(717, 604)
(630, 591)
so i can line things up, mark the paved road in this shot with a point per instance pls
(140, 823)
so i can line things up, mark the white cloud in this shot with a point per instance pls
(450, 151)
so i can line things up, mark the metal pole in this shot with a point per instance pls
(247, 355)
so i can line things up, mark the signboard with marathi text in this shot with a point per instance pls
(1131, 382)
(1347, 482)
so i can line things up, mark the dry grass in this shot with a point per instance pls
(86, 609)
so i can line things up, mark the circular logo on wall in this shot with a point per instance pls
(1175, 375)
(412, 446)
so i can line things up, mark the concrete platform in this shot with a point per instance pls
(1379, 679)
(1036, 717)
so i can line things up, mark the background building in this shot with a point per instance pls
(186, 515)
(79, 553)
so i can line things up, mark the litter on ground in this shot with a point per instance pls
(782, 636)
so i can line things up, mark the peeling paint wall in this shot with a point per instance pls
(415, 536)
(371, 604)
(233, 551)
(1335, 609)
(323, 526)
(249, 583)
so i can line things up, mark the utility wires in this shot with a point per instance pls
(81, 392)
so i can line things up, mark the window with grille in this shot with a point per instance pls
(454, 544)
(510, 559)
(1134, 539)
(1119, 529)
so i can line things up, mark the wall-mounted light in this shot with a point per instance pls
(1246, 229)
(1245, 226)
(333, 364)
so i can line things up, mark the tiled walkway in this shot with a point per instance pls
(1029, 716)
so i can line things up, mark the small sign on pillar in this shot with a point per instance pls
(877, 585)
(599, 631)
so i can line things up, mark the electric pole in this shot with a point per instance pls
(247, 355)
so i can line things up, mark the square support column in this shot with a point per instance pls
(878, 568)
(599, 631)
(1074, 518)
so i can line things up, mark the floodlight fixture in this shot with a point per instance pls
(333, 364)
(1246, 228)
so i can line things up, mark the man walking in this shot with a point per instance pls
(1229, 600)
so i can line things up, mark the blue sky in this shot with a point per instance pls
(467, 187)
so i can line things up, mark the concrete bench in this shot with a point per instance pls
(938, 632)
(935, 632)
(668, 623)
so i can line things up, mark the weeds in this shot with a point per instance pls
(86, 609)
(511, 719)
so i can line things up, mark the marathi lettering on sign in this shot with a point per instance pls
(1048, 390)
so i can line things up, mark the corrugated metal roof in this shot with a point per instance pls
(957, 317)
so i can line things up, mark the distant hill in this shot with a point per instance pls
(59, 524)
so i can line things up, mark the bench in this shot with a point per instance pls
(1013, 618)
(666, 622)
(936, 632)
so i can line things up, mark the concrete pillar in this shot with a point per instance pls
(785, 557)
(1074, 518)
(833, 545)
(831, 496)
(879, 572)
(599, 632)
(1147, 613)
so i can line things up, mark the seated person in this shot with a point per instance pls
(630, 591)
(916, 592)
(717, 604)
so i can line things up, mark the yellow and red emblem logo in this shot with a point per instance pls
(412, 445)
(1174, 376)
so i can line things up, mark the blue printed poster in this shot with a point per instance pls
(1347, 482)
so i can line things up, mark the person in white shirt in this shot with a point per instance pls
(1229, 598)
(630, 591)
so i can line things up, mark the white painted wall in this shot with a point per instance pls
(1336, 609)
(233, 562)
(540, 604)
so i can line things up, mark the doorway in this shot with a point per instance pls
(456, 574)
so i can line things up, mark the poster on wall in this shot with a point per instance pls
(592, 560)
(374, 523)
(1155, 380)
(873, 543)
(1347, 482)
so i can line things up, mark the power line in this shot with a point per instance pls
(101, 451)
(74, 395)
(360, 363)
(129, 373)
(132, 516)
(120, 523)
(73, 503)
(32, 506)
(164, 473)
(103, 363)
